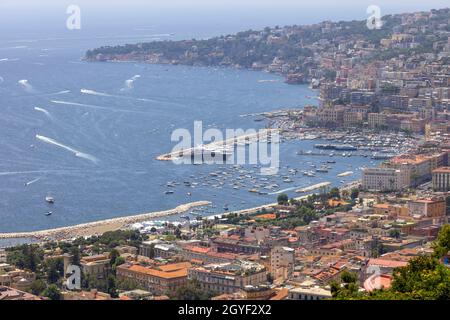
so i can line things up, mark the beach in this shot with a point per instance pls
(100, 227)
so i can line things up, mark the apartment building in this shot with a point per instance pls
(431, 208)
(441, 179)
(384, 179)
(97, 265)
(229, 277)
(158, 279)
(282, 260)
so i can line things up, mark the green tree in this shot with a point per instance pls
(282, 199)
(54, 269)
(191, 291)
(395, 233)
(52, 292)
(76, 256)
(346, 288)
(37, 287)
(442, 244)
(111, 286)
(334, 193)
(354, 193)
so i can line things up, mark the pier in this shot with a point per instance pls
(323, 186)
(219, 147)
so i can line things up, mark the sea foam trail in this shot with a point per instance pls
(95, 93)
(91, 106)
(32, 181)
(128, 87)
(43, 111)
(8, 59)
(26, 86)
(77, 153)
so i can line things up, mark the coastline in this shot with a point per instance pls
(101, 226)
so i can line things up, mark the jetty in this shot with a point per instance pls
(322, 185)
(219, 147)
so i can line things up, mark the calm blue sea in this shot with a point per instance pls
(88, 133)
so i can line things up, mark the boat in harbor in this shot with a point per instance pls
(344, 174)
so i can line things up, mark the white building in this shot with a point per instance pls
(384, 179)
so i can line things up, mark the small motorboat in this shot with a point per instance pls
(50, 199)
(169, 192)
(48, 213)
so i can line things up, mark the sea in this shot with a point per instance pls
(87, 133)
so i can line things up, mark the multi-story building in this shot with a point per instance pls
(384, 179)
(441, 179)
(309, 293)
(157, 280)
(431, 208)
(15, 278)
(419, 166)
(229, 277)
(97, 265)
(282, 260)
(376, 120)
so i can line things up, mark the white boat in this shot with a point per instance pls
(49, 199)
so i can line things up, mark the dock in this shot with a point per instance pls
(322, 185)
(221, 146)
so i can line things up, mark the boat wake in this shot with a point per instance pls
(128, 86)
(43, 111)
(91, 106)
(77, 153)
(32, 181)
(60, 92)
(95, 93)
(9, 60)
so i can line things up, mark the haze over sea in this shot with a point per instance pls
(88, 133)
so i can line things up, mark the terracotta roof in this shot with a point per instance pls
(176, 273)
(387, 263)
(280, 294)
